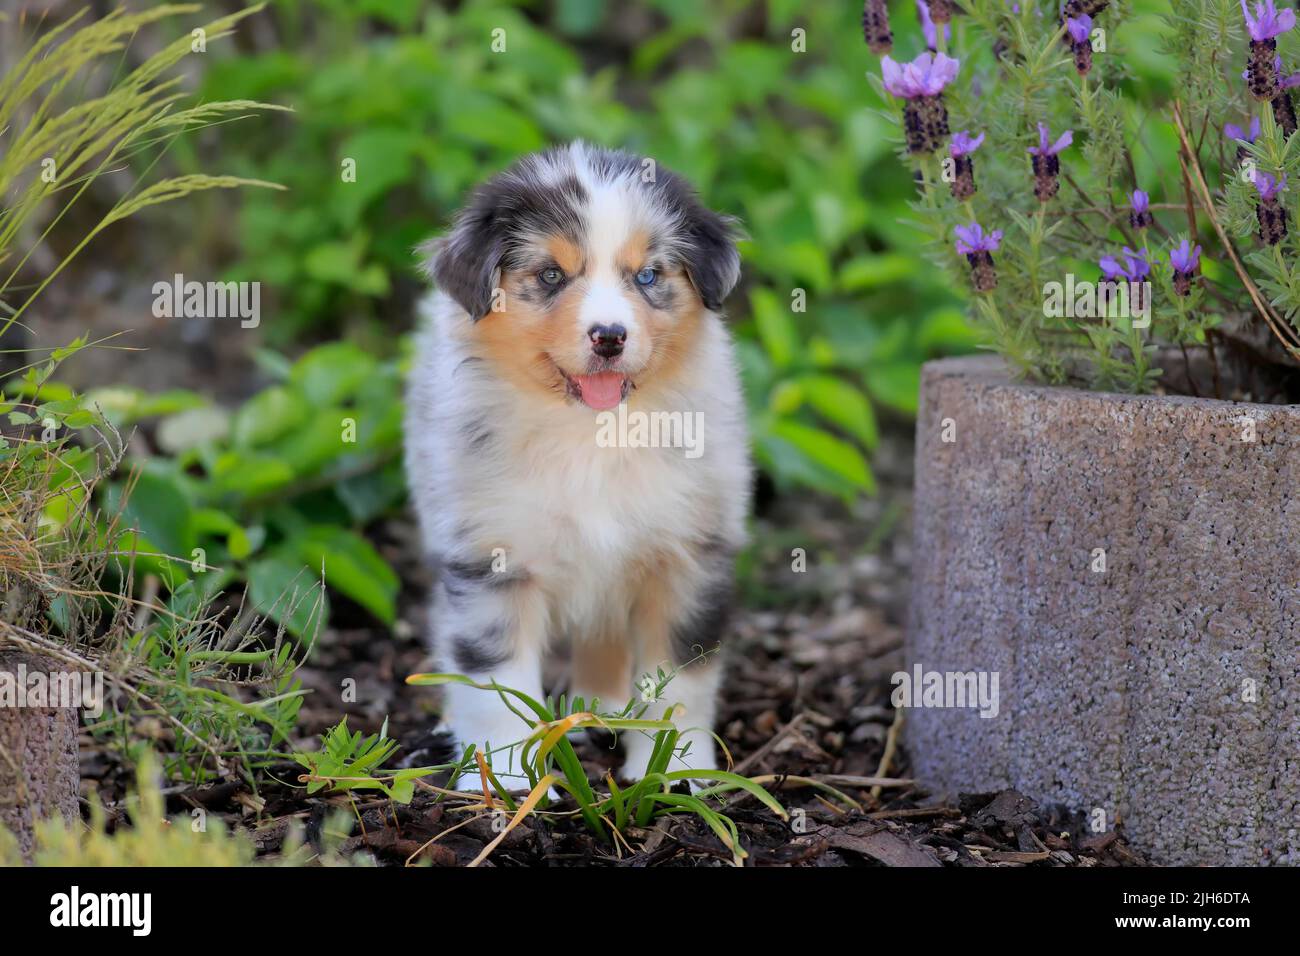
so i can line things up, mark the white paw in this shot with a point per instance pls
(501, 744)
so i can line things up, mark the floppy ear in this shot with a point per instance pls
(466, 263)
(713, 264)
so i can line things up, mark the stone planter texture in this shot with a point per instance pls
(39, 772)
(1163, 690)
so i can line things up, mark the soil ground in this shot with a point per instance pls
(807, 695)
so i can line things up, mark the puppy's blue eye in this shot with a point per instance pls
(647, 276)
(551, 276)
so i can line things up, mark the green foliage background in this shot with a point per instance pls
(787, 141)
(764, 104)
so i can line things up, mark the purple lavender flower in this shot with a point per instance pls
(1283, 109)
(1078, 35)
(1135, 266)
(1269, 211)
(1133, 271)
(920, 85)
(875, 26)
(978, 248)
(963, 167)
(1264, 27)
(1046, 165)
(963, 144)
(1269, 187)
(1233, 131)
(1184, 258)
(1268, 22)
(1139, 216)
(927, 75)
(1186, 263)
(1044, 136)
(928, 28)
(973, 238)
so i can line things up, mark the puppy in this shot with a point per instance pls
(577, 306)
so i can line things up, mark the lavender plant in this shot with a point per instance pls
(1083, 270)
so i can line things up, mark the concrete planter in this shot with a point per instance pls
(1129, 567)
(39, 773)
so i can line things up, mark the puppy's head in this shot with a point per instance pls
(586, 272)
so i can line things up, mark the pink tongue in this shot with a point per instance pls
(601, 391)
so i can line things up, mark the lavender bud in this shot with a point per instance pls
(1271, 215)
(978, 247)
(1046, 170)
(984, 275)
(1284, 112)
(1085, 8)
(1046, 164)
(934, 114)
(963, 183)
(875, 27)
(1261, 69)
(925, 123)
(1083, 57)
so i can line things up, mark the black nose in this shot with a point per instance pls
(607, 340)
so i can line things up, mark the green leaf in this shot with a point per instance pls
(160, 509)
(193, 428)
(332, 373)
(897, 385)
(841, 404)
(290, 593)
(352, 567)
(249, 474)
(873, 271)
(827, 452)
(369, 495)
(268, 415)
(776, 328)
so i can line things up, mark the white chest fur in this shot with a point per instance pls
(540, 485)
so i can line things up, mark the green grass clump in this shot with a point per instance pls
(349, 761)
(152, 839)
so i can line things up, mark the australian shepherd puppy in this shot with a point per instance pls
(577, 316)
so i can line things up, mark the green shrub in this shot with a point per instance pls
(66, 571)
(270, 495)
(837, 309)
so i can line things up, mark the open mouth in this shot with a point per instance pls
(599, 390)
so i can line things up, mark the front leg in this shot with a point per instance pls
(678, 622)
(490, 626)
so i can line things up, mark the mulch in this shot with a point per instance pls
(807, 696)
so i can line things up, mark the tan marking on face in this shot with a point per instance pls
(519, 341)
(526, 340)
(632, 254)
(673, 334)
(566, 255)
